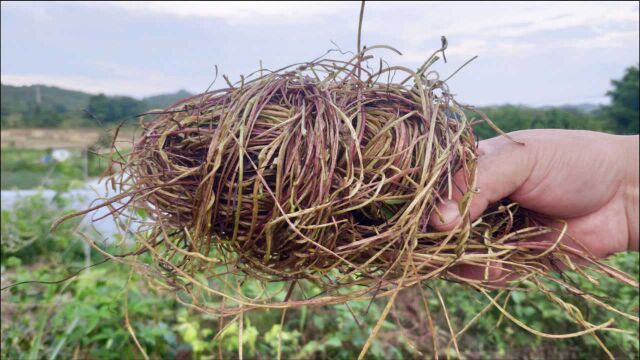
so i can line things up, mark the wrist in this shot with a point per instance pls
(631, 164)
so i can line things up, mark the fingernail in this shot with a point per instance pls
(449, 211)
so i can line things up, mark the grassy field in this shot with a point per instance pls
(24, 152)
(28, 169)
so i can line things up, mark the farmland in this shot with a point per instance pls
(43, 138)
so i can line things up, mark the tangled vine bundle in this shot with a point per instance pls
(294, 176)
(325, 172)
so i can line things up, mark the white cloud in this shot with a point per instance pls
(471, 47)
(471, 27)
(528, 18)
(460, 18)
(232, 11)
(34, 9)
(513, 33)
(501, 28)
(607, 40)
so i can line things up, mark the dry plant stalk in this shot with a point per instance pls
(324, 172)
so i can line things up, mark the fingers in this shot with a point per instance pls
(490, 273)
(450, 216)
(494, 274)
(503, 167)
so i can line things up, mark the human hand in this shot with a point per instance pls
(587, 178)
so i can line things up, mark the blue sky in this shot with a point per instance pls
(529, 53)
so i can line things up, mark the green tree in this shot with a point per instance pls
(511, 118)
(625, 101)
(111, 109)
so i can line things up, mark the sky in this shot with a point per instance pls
(529, 53)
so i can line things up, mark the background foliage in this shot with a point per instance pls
(83, 318)
(49, 106)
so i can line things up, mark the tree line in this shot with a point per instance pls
(620, 116)
(40, 106)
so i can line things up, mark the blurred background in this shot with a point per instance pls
(72, 72)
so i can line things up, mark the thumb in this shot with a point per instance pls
(503, 167)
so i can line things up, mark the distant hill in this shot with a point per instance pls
(50, 106)
(165, 100)
(50, 98)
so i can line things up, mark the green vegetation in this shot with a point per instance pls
(625, 101)
(114, 108)
(41, 106)
(28, 169)
(51, 98)
(162, 101)
(84, 317)
(620, 117)
(25, 231)
(47, 106)
(510, 118)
